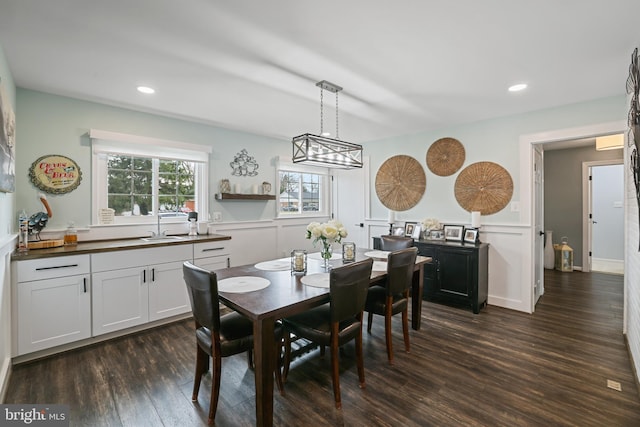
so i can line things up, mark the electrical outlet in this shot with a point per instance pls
(217, 217)
(614, 385)
(515, 206)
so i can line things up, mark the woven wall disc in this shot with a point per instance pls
(445, 156)
(400, 183)
(484, 186)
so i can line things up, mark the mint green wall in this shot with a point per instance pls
(494, 140)
(7, 200)
(51, 124)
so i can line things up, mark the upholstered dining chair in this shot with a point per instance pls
(395, 243)
(217, 336)
(337, 322)
(393, 298)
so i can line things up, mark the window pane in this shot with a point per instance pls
(121, 204)
(142, 183)
(300, 192)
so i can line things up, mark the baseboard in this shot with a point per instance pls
(633, 365)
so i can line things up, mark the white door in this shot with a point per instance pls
(53, 312)
(538, 245)
(120, 299)
(350, 200)
(167, 292)
(607, 218)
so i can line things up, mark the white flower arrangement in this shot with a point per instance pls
(327, 232)
(431, 224)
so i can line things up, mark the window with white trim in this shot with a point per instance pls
(140, 178)
(302, 191)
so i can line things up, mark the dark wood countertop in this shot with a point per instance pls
(97, 246)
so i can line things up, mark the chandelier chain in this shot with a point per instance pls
(337, 134)
(321, 109)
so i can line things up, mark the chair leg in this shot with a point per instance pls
(287, 356)
(405, 328)
(387, 328)
(202, 366)
(359, 358)
(369, 322)
(335, 365)
(215, 386)
(321, 350)
(278, 370)
(250, 364)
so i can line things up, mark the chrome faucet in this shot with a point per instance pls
(158, 233)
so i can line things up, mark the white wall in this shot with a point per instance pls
(7, 243)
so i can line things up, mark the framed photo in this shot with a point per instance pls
(417, 230)
(398, 231)
(471, 235)
(436, 235)
(453, 232)
(409, 227)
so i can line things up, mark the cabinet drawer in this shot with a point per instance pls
(48, 268)
(210, 249)
(139, 257)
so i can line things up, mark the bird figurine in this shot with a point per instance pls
(38, 221)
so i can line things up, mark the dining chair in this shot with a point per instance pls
(337, 322)
(393, 297)
(395, 243)
(217, 336)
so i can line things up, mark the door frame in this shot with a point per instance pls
(528, 195)
(587, 200)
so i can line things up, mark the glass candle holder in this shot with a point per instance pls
(348, 252)
(298, 261)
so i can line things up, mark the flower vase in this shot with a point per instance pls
(326, 253)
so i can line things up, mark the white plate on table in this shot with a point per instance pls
(281, 264)
(242, 284)
(318, 280)
(379, 266)
(377, 254)
(316, 255)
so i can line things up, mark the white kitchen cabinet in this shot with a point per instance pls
(212, 255)
(52, 299)
(133, 287)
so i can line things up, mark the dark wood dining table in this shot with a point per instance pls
(287, 295)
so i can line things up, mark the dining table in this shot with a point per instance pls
(283, 294)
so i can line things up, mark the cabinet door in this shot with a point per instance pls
(53, 312)
(120, 299)
(455, 272)
(167, 291)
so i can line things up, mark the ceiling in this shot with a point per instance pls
(405, 66)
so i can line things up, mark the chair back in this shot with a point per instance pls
(348, 287)
(202, 286)
(400, 266)
(395, 243)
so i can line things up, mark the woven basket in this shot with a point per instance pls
(484, 186)
(400, 183)
(445, 156)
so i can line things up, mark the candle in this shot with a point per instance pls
(299, 262)
(392, 216)
(475, 219)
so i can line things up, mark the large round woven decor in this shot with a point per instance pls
(445, 156)
(484, 186)
(400, 183)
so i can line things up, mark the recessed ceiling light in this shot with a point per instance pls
(146, 89)
(518, 87)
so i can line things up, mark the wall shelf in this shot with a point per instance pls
(232, 196)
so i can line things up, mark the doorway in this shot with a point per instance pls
(605, 225)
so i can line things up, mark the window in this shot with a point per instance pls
(140, 178)
(302, 192)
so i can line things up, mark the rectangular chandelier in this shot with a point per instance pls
(322, 151)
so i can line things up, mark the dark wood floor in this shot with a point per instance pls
(498, 368)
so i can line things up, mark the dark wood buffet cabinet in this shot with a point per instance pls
(458, 273)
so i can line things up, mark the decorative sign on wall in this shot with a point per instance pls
(55, 174)
(244, 165)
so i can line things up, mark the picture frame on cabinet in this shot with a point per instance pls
(417, 231)
(436, 235)
(408, 228)
(471, 235)
(453, 232)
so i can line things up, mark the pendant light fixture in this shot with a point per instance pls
(320, 150)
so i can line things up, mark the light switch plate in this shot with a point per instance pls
(515, 206)
(217, 217)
